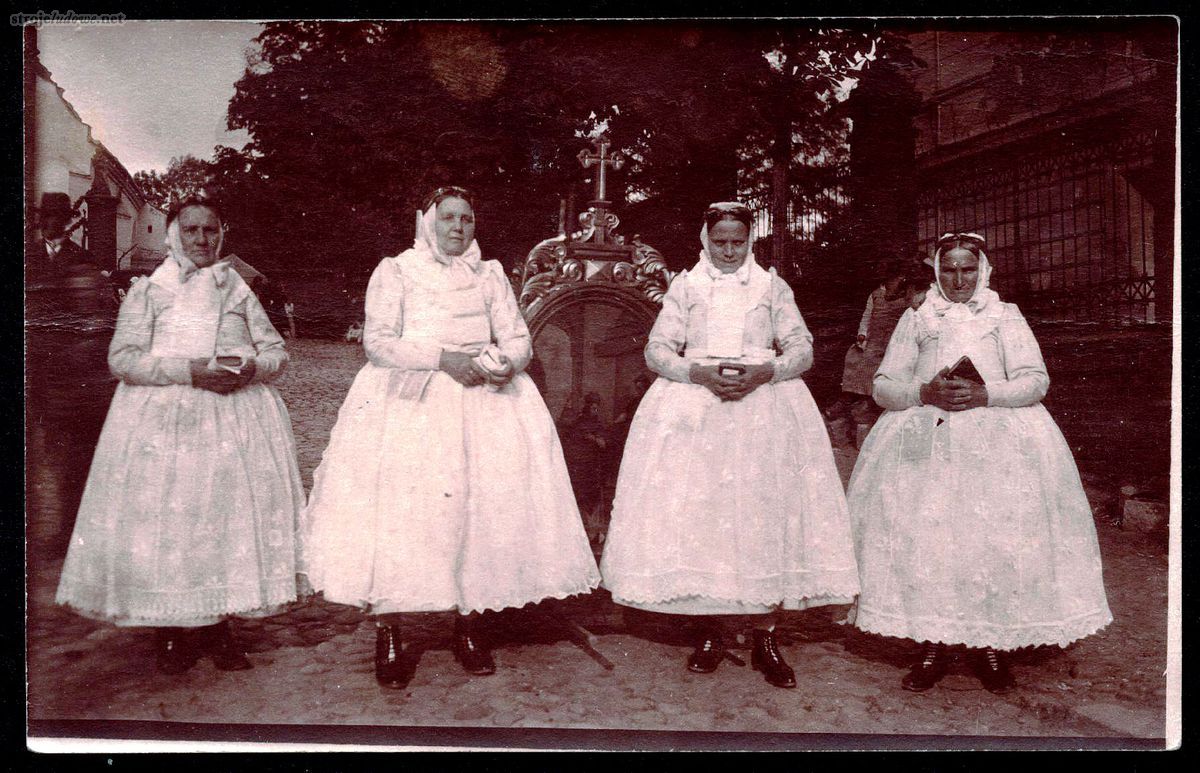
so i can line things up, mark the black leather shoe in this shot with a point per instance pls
(992, 669)
(224, 650)
(708, 654)
(393, 668)
(927, 671)
(469, 648)
(765, 657)
(174, 652)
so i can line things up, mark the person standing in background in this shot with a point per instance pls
(884, 307)
(70, 312)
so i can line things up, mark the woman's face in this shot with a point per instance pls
(728, 245)
(454, 225)
(200, 233)
(958, 273)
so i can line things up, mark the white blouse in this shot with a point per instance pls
(417, 307)
(1005, 353)
(242, 328)
(682, 328)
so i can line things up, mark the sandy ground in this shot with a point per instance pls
(313, 664)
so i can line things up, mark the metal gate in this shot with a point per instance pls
(1071, 232)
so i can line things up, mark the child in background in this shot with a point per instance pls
(884, 307)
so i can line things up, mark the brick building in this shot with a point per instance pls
(1058, 145)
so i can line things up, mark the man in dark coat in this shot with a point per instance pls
(70, 313)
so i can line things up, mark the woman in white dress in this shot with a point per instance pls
(443, 486)
(971, 525)
(191, 513)
(728, 501)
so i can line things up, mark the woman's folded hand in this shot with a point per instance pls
(220, 381)
(953, 394)
(462, 368)
(503, 375)
(709, 377)
(732, 387)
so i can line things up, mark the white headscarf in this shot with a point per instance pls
(960, 325)
(463, 267)
(705, 264)
(219, 270)
(730, 296)
(189, 327)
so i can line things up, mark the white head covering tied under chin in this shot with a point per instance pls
(219, 270)
(731, 296)
(960, 326)
(463, 267)
(189, 327)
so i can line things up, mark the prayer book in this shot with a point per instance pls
(232, 363)
(965, 369)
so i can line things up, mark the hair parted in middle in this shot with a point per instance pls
(446, 192)
(728, 210)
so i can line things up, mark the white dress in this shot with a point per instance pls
(728, 507)
(459, 499)
(972, 527)
(193, 501)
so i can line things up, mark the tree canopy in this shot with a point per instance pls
(184, 177)
(352, 122)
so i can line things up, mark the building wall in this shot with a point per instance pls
(63, 148)
(964, 68)
(1071, 186)
(65, 154)
(149, 236)
(1073, 189)
(127, 212)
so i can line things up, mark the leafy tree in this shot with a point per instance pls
(352, 122)
(184, 177)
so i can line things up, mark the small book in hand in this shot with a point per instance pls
(965, 370)
(232, 363)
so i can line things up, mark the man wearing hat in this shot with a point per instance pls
(70, 313)
(53, 253)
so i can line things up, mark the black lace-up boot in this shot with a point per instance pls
(709, 648)
(223, 648)
(992, 669)
(470, 648)
(766, 657)
(392, 668)
(927, 671)
(174, 652)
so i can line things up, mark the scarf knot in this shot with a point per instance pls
(219, 271)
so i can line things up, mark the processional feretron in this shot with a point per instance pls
(594, 266)
(590, 298)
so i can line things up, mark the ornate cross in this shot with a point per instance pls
(601, 158)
